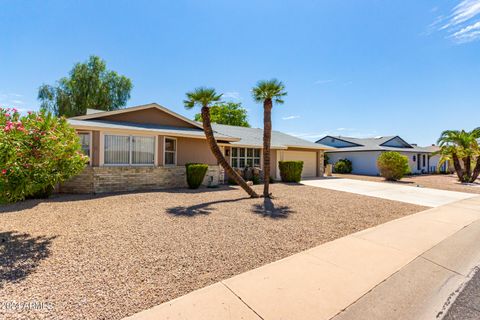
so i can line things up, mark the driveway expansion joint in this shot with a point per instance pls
(241, 300)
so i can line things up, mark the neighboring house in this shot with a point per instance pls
(447, 166)
(147, 147)
(364, 153)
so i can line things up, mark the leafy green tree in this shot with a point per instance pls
(230, 113)
(89, 85)
(462, 147)
(37, 151)
(268, 92)
(204, 97)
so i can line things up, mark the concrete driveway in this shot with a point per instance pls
(391, 191)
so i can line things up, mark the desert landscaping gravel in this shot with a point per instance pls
(110, 256)
(434, 181)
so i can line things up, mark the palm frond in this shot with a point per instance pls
(202, 97)
(269, 89)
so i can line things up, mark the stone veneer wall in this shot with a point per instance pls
(321, 166)
(120, 179)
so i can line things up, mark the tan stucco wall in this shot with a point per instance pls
(95, 148)
(150, 116)
(194, 150)
(273, 164)
(160, 151)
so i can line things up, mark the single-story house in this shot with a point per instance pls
(147, 147)
(446, 166)
(363, 153)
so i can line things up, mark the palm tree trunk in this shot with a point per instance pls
(267, 137)
(212, 143)
(467, 161)
(458, 167)
(476, 171)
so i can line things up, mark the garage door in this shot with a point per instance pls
(309, 161)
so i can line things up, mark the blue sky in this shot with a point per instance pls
(352, 68)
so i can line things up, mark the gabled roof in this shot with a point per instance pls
(95, 120)
(371, 144)
(144, 128)
(94, 115)
(254, 137)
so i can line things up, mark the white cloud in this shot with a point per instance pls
(462, 24)
(323, 81)
(11, 100)
(464, 11)
(290, 117)
(232, 95)
(469, 33)
(345, 129)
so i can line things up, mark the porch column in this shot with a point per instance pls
(160, 151)
(320, 166)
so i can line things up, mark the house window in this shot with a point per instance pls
(170, 152)
(85, 142)
(423, 161)
(414, 158)
(245, 157)
(143, 150)
(129, 150)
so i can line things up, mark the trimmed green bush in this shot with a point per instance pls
(37, 151)
(343, 166)
(195, 174)
(291, 171)
(393, 165)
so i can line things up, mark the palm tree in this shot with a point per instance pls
(476, 170)
(463, 148)
(204, 97)
(268, 92)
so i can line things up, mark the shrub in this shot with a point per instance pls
(37, 151)
(392, 165)
(343, 166)
(195, 174)
(256, 179)
(291, 171)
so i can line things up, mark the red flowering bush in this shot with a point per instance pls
(37, 151)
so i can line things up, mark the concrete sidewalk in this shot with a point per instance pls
(392, 191)
(322, 282)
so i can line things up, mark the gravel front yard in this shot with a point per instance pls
(435, 181)
(87, 257)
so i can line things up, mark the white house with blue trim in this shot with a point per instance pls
(363, 153)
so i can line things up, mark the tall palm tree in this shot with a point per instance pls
(268, 92)
(204, 97)
(463, 148)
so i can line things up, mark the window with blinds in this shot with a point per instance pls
(129, 150)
